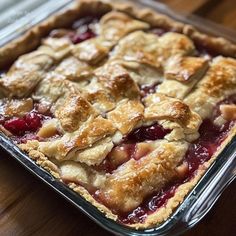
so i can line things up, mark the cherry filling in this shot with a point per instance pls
(200, 151)
(128, 147)
(149, 205)
(119, 155)
(211, 136)
(78, 38)
(25, 128)
(80, 31)
(148, 89)
(143, 133)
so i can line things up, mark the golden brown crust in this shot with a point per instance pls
(164, 212)
(97, 132)
(70, 15)
(74, 70)
(127, 186)
(116, 25)
(17, 107)
(94, 131)
(127, 115)
(91, 51)
(117, 80)
(221, 45)
(162, 107)
(185, 69)
(218, 83)
(31, 39)
(157, 217)
(75, 111)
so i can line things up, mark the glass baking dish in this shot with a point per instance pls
(202, 197)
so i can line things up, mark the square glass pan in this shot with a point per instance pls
(196, 204)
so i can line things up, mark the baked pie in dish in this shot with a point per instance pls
(124, 105)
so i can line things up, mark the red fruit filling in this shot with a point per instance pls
(148, 89)
(128, 146)
(80, 31)
(149, 206)
(33, 121)
(211, 136)
(111, 163)
(17, 126)
(80, 37)
(199, 152)
(144, 133)
(25, 128)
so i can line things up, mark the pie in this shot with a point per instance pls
(124, 105)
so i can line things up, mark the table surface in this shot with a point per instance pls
(28, 207)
